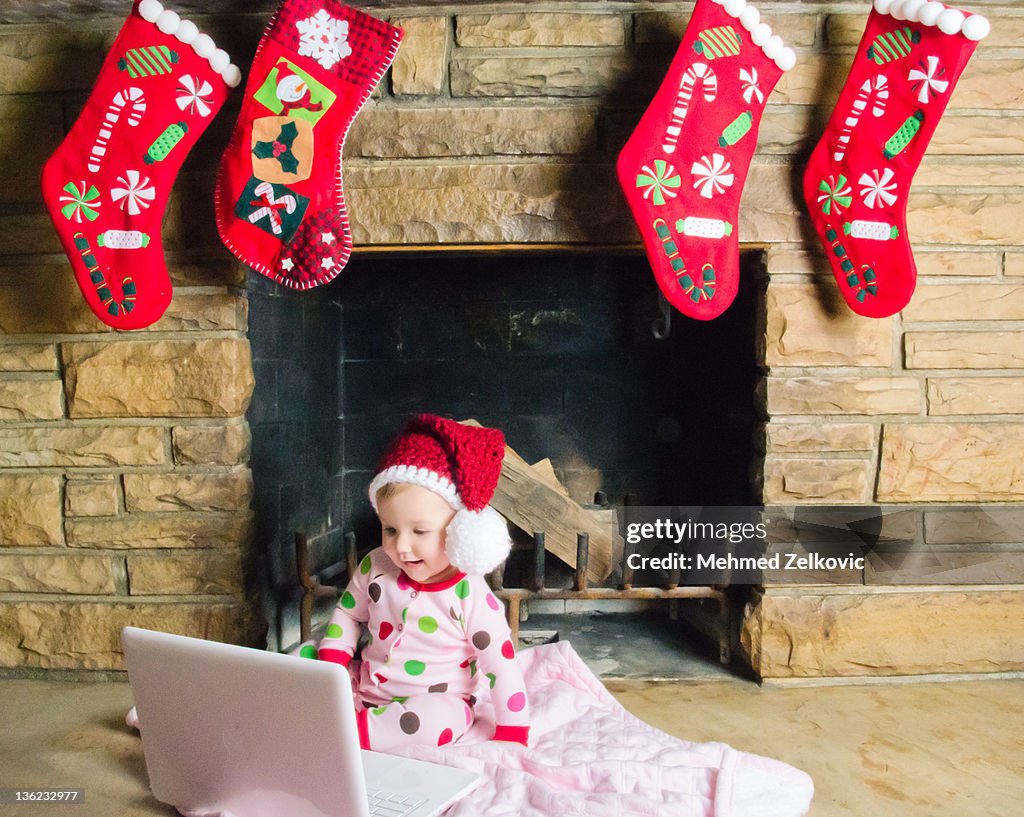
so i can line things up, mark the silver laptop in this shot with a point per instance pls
(259, 734)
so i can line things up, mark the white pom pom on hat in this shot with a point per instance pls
(461, 464)
(477, 541)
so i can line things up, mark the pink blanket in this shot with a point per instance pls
(589, 756)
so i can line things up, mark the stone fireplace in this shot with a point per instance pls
(557, 348)
(127, 459)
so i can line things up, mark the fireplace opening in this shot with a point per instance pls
(574, 355)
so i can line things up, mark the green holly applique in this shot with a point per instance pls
(280, 148)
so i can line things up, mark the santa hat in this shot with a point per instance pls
(461, 464)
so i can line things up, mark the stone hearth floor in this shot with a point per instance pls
(885, 750)
(634, 646)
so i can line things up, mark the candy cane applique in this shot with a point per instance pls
(114, 307)
(669, 245)
(137, 99)
(702, 290)
(863, 285)
(701, 73)
(265, 191)
(832, 236)
(875, 90)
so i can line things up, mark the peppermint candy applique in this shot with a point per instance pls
(748, 82)
(713, 175)
(928, 80)
(135, 193)
(835, 194)
(194, 95)
(878, 188)
(660, 182)
(77, 201)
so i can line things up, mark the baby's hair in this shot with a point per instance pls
(389, 490)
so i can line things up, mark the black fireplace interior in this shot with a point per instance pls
(556, 349)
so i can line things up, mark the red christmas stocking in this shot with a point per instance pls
(280, 202)
(684, 167)
(107, 185)
(859, 176)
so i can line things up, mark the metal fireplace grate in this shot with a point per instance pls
(329, 582)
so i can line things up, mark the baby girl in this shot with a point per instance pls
(437, 634)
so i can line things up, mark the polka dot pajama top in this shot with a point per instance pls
(431, 648)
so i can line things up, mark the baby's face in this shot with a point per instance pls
(413, 522)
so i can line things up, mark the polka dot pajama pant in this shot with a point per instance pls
(433, 719)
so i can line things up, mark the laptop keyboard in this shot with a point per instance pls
(389, 804)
